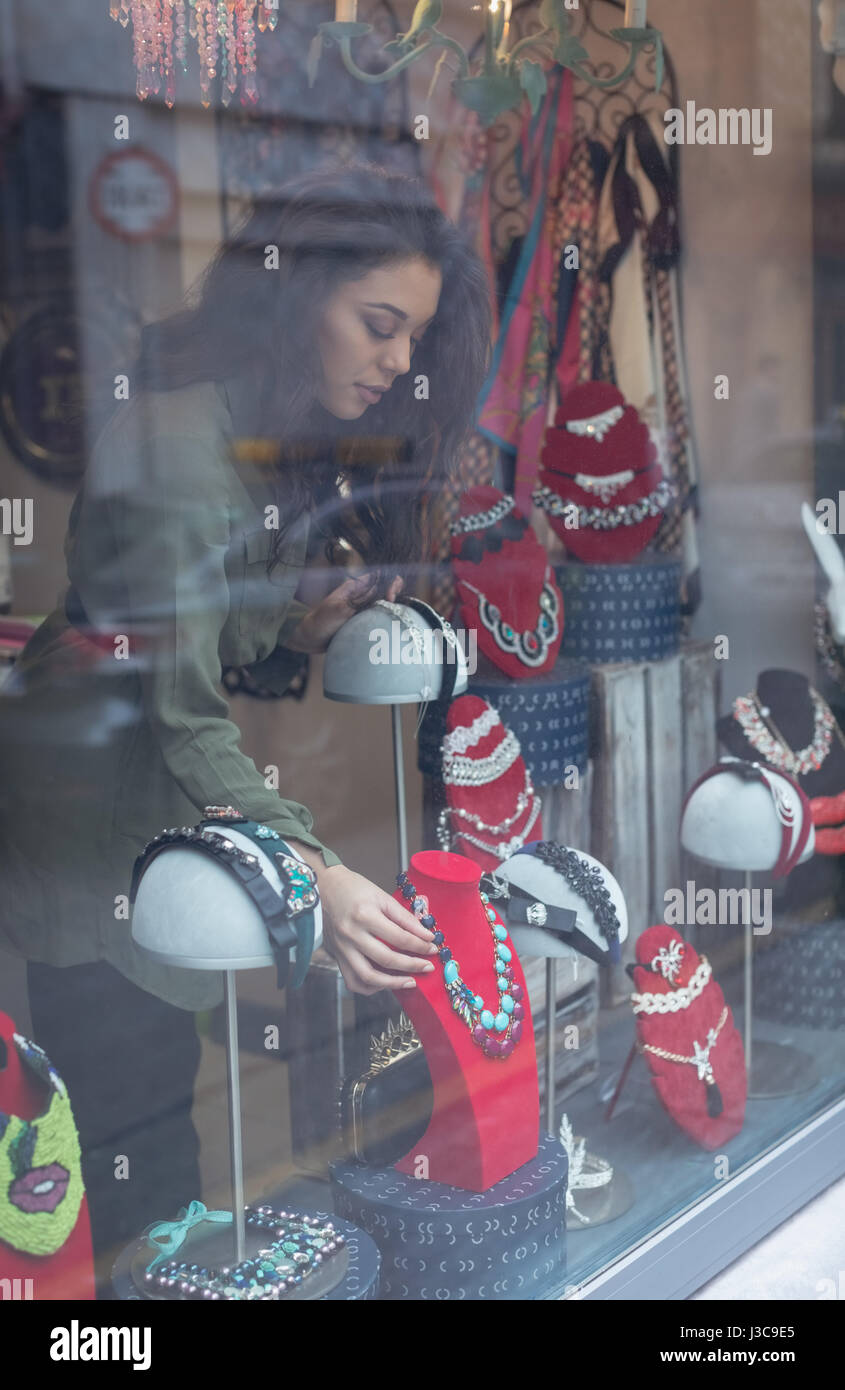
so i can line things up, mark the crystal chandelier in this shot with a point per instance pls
(224, 31)
(225, 35)
(507, 74)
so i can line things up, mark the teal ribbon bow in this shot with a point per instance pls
(174, 1232)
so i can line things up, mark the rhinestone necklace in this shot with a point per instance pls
(531, 646)
(298, 1248)
(467, 735)
(674, 999)
(476, 772)
(479, 521)
(495, 1033)
(607, 518)
(755, 720)
(596, 426)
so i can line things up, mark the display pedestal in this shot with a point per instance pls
(619, 613)
(438, 1242)
(548, 714)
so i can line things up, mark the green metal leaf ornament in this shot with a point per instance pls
(533, 82)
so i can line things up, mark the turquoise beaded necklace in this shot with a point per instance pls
(496, 1033)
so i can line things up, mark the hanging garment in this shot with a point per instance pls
(513, 400)
(489, 190)
(577, 226)
(639, 247)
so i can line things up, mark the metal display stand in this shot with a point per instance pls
(399, 785)
(233, 1092)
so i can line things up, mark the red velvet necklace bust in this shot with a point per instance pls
(486, 1113)
(491, 805)
(506, 588)
(705, 1092)
(599, 458)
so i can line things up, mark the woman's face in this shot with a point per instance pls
(368, 333)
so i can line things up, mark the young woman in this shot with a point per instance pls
(312, 328)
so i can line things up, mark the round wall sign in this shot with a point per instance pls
(134, 195)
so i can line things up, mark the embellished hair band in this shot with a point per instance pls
(588, 882)
(289, 918)
(791, 806)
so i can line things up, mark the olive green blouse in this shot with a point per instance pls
(102, 746)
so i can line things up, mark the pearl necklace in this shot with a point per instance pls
(482, 1022)
(524, 799)
(505, 848)
(531, 647)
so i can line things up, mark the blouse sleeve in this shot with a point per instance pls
(276, 671)
(171, 530)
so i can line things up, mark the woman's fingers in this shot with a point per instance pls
(372, 925)
(406, 920)
(363, 977)
(381, 954)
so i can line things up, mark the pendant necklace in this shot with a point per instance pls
(495, 1033)
(755, 720)
(531, 647)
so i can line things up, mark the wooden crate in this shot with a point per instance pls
(654, 733)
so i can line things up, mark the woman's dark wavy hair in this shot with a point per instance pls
(331, 227)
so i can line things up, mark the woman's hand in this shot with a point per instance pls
(377, 942)
(320, 625)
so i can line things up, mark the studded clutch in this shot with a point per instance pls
(385, 1110)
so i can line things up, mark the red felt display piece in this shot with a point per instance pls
(494, 801)
(68, 1273)
(486, 1111)
(614, 447)
(683, 1094)
(624, 444)
(510, 569)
